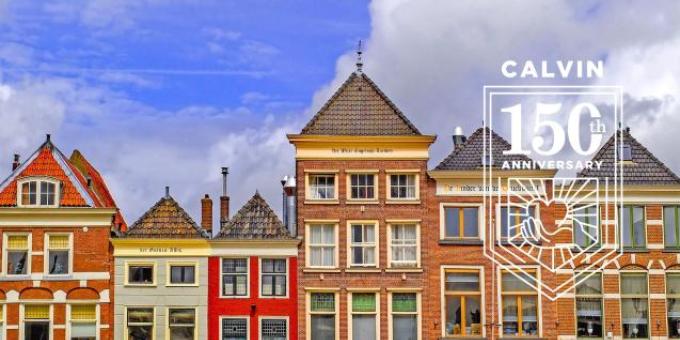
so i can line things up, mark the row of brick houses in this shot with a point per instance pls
(373, 244)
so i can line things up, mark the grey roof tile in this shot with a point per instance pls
(166, 219)
(255, 220)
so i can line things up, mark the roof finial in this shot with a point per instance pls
(167, 191)
(360, 64)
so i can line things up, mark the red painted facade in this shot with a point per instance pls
(253, 306)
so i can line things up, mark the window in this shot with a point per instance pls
(234, 277)
(404, 316)
(83, 322)
(626, 153)
(633, 227)
(141, 274)
(140, 323)
(586, 226)
(182, 274)
(274, 277)
(2, 319)
(182, 323)
(362, 245)
(673, 304)
(322, 314)
(58, 249)
(234, 329)
(403, 186)
(463, 294)
(38, 193)
(362, 187)
(403, 246)
(513, 219)
(519, 304)
(17, 254)
(589, 305)
(37, 322)
(461, 222)
(671, 226)
(322, 245)
(634, 305)
(274, 329)
(322, 187)
(364, 316)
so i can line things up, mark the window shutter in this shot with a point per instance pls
(17, 242)
(34, 312)
(83, 312)
(59, 242)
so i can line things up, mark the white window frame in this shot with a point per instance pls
(267, 317)
(442, 220)
(376, 245)
(248, 278)
(97, 320)
(416, 224)
(348, 180)
(480, 269)
(22, 319)
(39, 179)
(600, 296)
(419, 311)
(5, 251)
(136, 263)
(3, 321)
(168, 273)
(350, 311)
(46, 251)
(388, 186)
(153, 325)
(261, 274)
(622, 273)
(309, 313)
(309, 197)
(336, 245)
(246, 317)
(167, 320)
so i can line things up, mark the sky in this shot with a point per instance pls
(165, 92)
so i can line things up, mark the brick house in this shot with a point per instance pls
(161, 279)
(361, 169)
(56, 217)
(252, 276)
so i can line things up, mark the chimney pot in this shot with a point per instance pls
(167, 192)
(224, 199)
(48, 137)
(207, 214)
(15, 163)
(458, 137)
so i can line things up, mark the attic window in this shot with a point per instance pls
(626, 153)
(38, 192)
(486, 160)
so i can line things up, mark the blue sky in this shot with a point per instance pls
(165, 92)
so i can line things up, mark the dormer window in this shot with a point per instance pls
(38, 192)
(626, 153)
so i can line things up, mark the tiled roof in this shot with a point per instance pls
(468, 156)
(255, 220)
(645, 168)
(49, 161)
(165, 220)
(98, 185)
(359, 108)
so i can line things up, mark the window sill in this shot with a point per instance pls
(274, 297)
(57, 277)
(404, 270)
(462, 338)
(181, 285)
(635, 250)
(21, 277)
(362, 270)
(361, 202)
(235, 297)
(517, 243)
(140, 285)
(312, 201)
(461, 242)
(321, 270)
(408, 201)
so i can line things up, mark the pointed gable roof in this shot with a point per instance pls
(359, 108)
(255, 220)
(165, 220)
(468, 156)
(48, 161)
(645, 168)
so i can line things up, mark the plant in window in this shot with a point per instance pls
(463, 303)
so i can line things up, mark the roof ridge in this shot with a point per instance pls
(328, 102)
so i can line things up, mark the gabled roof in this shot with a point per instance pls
(48, 161)
(255, 220)
(165, 220)
(468, 156)
(645, 168)
(359, 108)
(99, 187)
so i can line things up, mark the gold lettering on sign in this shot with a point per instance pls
(361, 151)
(160, 250)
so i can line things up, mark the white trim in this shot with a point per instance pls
(261, 273)
(482, 297)
(348, 187)
(419, 317)
(376, 241)
(39, 179)
(97, 319)
(376, 314)
(336, 232)
(270, 317)
(248, 278)
(29, 255)
(388, 186)
(308, 313)
(418, 266)
(46, 250)
(22, 320)
(76, 276)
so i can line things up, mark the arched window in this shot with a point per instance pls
(38, 192)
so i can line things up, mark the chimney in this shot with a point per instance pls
(458, 137)
(15, 163)
(206, 214)
(167, 191)
(289, 204)
(224, 199)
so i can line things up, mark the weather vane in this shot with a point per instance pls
(360, 63)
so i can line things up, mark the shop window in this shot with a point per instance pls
(463, 294)
(519, 304)
(589, 305)
(634, 306)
